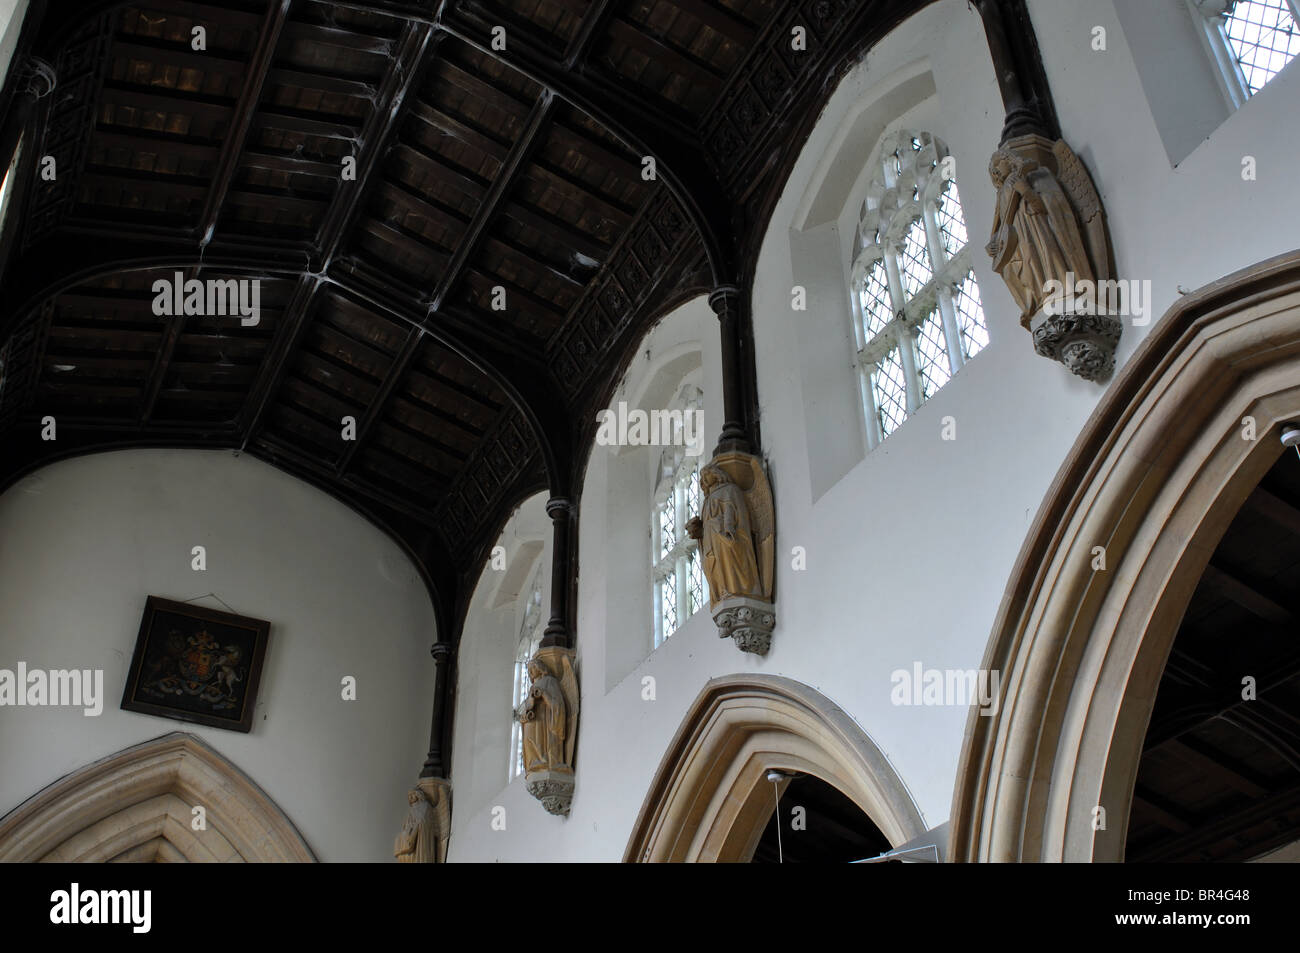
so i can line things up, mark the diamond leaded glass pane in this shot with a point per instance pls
(667, 527)
(952, 224)
(667, 605)
(877, 309)
(970, 316)
(693, 493)
(695, 581)
(932, 355)
(889, 387)
(914, 262)
(1263, 37)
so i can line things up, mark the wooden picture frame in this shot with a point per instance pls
(197, 665)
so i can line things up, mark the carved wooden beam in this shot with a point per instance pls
(283, 347)
(524, 148)
(409, 61)
(645, 130)
(258, 69)
(379, 403)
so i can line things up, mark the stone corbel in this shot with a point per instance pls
(424, 835)
(548, 718)
(737, 533)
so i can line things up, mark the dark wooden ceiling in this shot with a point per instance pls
(475, 168)
(1220, 774)
(831, 828)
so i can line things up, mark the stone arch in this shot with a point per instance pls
(136, 806)
(709, 799)
(1156, 476)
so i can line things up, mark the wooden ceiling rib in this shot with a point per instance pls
(472, 171)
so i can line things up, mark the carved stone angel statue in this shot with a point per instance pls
(548, 716)
(418, 842)
(1036, 231)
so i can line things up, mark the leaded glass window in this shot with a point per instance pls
(917, 312)
(679, 586)
(530, 637)
(1252, 40)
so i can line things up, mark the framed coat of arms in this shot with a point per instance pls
(197, 665)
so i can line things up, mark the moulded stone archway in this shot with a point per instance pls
(709, 800)
(1158, 473)
(136, 805)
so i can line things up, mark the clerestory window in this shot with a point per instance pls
(916, 304)
(676, 574)
(1251, 41)
(530, 637)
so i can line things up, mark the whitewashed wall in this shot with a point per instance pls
(84, 541)
(909, 548)
(12, 13)
(480, 759)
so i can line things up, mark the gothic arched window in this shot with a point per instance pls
(678, 578)
(530, 637)
(916, 305)
(1252, 40)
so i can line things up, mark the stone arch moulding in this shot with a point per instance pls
(709, 800)
(136, 805)
(1156, 476)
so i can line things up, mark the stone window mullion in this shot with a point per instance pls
(943, 291)
(874, 435)
(898, 327)
(897, 297)
(907, 354)
(951, 333)
(681, 562)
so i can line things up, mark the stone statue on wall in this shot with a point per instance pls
(730, 560)
(548, 718)
(419, 840)
(1050, 238)
(737, 535)
(1036, 236)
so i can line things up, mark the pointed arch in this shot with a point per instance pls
(709, 800)
(1161, 468)
(137, 805)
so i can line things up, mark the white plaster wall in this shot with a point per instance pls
(909, 548)
(622, 735)
(480, 756)
(12, 13)
(84, 541)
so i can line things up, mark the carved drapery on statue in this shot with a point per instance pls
(1050, 241)
(737, 533)
(548, 717)
(423, 838)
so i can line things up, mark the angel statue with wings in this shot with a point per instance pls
(1037, 236)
